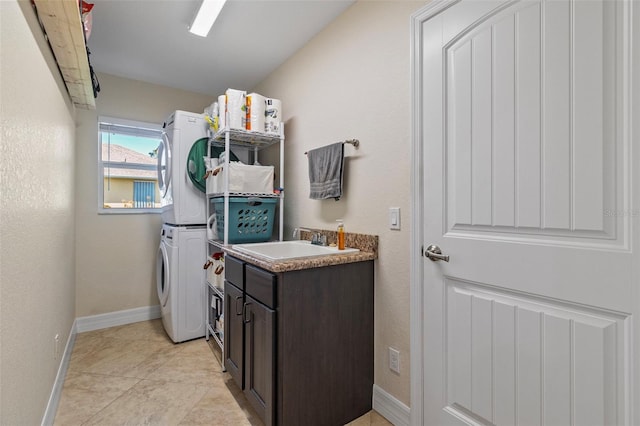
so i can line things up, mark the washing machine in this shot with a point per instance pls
(181, 281)
(181, 202)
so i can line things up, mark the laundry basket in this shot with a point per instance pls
(250, 218)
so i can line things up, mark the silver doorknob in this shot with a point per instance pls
(434, 253)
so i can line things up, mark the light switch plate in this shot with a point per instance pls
(394, 217)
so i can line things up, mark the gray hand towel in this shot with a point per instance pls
(325, 171)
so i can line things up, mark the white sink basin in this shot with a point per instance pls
(284, 250)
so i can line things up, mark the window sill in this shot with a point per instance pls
(128, 211)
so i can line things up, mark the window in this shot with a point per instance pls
(128, 178)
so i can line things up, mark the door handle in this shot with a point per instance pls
(238, 312)
(244, 313)
(434, 253)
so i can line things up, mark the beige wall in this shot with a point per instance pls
(36, 217)
(352, 81)
(116, 254)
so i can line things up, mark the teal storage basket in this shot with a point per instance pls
(250, 218)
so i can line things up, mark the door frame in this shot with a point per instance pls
(417, 211)
(417, 200)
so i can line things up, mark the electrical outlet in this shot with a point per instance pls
(394, 360)
(56, 347)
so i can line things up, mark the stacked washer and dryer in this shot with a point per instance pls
(183, 243)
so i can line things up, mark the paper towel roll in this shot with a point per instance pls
(222, 111)
(273, 116)
(209, 110)
(256, 106)
(236, 109)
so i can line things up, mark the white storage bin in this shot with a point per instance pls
(242, 178)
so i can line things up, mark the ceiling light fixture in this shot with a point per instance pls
(206, 16)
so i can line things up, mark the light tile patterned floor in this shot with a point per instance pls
(135, 375)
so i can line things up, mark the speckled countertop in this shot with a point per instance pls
(367, 244)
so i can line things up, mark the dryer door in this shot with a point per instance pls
(162, 274)
(164, 165)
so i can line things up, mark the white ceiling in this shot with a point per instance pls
(148, 40)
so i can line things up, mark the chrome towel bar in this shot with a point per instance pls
(354, 142)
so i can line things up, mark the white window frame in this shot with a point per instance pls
(143, 128)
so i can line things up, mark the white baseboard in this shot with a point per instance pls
(54, 398)
(112, 319)
(390, 408)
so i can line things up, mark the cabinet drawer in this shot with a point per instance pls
(234, 271)
(261, 285)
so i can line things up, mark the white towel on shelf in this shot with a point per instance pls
(326, 165)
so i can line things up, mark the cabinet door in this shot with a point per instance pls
(233, 333)
(259, 379)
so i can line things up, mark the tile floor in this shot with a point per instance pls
(134, 375)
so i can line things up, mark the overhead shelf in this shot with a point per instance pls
(62, 24)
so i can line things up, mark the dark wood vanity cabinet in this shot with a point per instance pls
(307, 341)
(260, 354)
(259, 317)
(234, 332)
(233, 325)
(249, 351)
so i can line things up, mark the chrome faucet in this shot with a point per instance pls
(317, 238)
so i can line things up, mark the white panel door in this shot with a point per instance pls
(523, 119)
